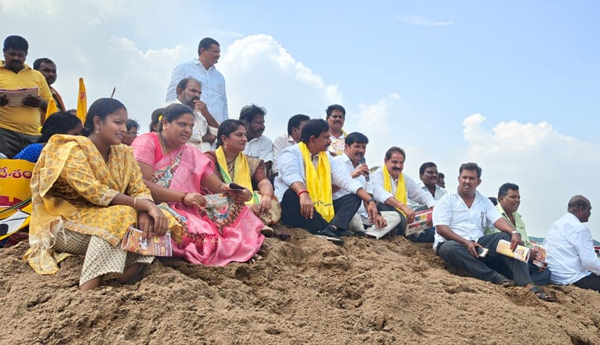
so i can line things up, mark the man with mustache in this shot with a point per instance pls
(460, 218)
(336, 117)
(353, 160)
(509, 200)
(304, 186)
(48, 69)
(19, 125)
(189, 91)
(392, 188)
(203, 69)
(258, 146)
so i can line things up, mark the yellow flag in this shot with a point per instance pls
(52, 107)
(81, 101)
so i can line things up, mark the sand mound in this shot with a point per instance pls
(307, 291)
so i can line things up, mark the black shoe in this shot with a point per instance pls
(343, 233)
(329, 234)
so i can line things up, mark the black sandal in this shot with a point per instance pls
(539, 293)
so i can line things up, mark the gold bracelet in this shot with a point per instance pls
(134, 202)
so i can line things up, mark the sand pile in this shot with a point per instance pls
(306, 291)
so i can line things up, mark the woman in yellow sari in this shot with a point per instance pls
(86, 192)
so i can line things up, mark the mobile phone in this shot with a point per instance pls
(482, 252)
(235, 186)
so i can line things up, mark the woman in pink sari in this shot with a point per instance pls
(217, 229)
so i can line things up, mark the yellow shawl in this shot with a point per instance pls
(401, 194)
(318, 182)
(242, 172)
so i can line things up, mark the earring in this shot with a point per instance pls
(97, 131)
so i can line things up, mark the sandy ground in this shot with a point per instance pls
(306, 291)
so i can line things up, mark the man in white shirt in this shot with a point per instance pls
(292, 137)
(258, 146)
(353, 160)
(299, 206)
(570, 248)
(213, 82)
(386, 195)
(429, 175)
(460, 218)
(188, 93)
(336, 117)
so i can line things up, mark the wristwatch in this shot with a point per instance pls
(371, 200)
(515, 232)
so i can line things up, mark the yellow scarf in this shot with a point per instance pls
(401, 194)
(318, 182)
(242, 172)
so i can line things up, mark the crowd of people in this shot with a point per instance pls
(217, 185)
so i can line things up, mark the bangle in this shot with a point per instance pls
(515, 232)
(302, 192)
(134, 202)
(183, 198)
(251, 196)
(269, 195)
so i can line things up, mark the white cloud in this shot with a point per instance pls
(420, 20)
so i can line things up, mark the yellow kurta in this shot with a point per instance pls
(72, 187)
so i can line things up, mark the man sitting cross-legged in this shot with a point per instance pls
(353, 160)
(460, 218)
(304, 186)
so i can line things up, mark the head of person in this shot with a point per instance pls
(394, 161)
(356, 147)
(132, 132)
(60, 123)
(441, 180)
(469, 178)
(335, 116)
(315, 134)
(580, 207)
(176, 125)
(428, 174)
(189, 91)
(209, 52)
(106, 121)
(47, 68)
(15, 52)
(253, 118)
(295, 124)
(509, 197)
(232, 136)
(155, 119)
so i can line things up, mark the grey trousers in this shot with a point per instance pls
(12, 143)
(456, 255)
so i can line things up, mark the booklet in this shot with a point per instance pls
(520, 253)
(423, 221)
(153, 246)
(16, 97)
(540, 259)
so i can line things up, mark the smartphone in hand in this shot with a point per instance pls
(482, 252)
(236, 186)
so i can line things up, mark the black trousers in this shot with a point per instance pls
(401, 227)
(456, 255)
(591, 282)
(345, 208)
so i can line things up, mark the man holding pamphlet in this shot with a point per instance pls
(24, 93)
(460, 218)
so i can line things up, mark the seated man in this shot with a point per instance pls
(258, 146)
(460, 218)
(294, 130)
(429, 177)
(392, 189)
(509, 200)
(336, 117)
(353, 160)
(570, 248)
(304, 186)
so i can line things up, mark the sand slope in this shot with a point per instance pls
(307, 291)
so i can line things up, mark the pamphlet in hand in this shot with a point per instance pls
(16, 97)
(520, 253)
(423, 221)
(540, 259)
(153, 246)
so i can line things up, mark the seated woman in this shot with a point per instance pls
(87, 191)
(132, 132)
(57, 123)
(232, 165)
(176, 172)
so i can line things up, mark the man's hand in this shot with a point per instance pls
(472, 248)
(362, 169)
(380, 222)
(200, 106)
(3, 100)
(410, 214)
(306, 206)
(515, 240)
(372, 211)
(32, 101)
(208, 138)
(265, 204)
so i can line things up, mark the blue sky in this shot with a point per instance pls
(512, 85)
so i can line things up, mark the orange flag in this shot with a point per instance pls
(81, 101)
(52, 107)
